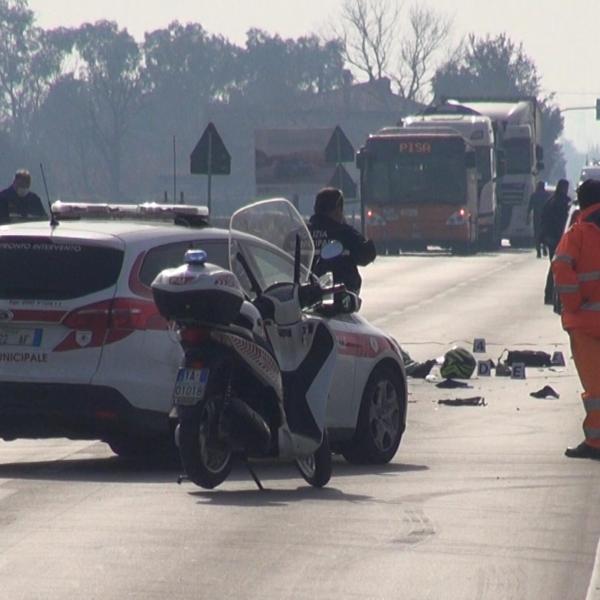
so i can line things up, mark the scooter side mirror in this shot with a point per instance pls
(332, 249)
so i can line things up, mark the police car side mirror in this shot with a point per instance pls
(332, 249)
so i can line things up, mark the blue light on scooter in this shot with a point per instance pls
(195, 257)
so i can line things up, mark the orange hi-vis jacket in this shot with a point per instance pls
(576, 268)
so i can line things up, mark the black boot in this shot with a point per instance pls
(583, 451)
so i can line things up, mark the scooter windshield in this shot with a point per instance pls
(262, 238)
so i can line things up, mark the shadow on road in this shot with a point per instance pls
(342, 468)
(112, 469)
(270, 497)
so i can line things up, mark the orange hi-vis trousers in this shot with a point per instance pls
(586, 354)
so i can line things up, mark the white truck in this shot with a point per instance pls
(590, 171)
(517, 129)
(479, 134)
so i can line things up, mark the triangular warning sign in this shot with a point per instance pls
(342, 180)
(210, 154)
(339, 148)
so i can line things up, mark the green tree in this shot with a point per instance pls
(277, 71)
(63, 135)
(111, 74)
(186, 69)
(497, 66)
(186, 62)
(30, 61)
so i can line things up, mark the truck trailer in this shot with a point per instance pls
(518, 133)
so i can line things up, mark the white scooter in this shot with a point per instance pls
(258, 366)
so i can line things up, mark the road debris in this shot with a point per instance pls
(473, 401)
(546, 392)
(452, 383)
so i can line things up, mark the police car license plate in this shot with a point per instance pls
(20, 337)
(190, 386)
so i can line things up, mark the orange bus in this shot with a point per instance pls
(420, 188)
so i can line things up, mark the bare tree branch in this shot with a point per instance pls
(367, 31)
(429, 32)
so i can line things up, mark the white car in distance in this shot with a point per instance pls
(84, 353)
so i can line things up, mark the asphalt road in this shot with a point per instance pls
(479, 503)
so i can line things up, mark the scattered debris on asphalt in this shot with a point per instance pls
(473, 401)
(452, 383)
(503, 370)
(530, 358)
(546, 392)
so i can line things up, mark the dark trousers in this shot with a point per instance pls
(549, 290)
(539, 244)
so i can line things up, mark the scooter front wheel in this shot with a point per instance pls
(205, 458)
(316, 468)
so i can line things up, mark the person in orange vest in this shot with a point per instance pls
(576, 268)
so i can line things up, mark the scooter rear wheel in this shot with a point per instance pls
(206, 460)
(316, 468)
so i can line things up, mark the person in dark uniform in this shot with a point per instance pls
(537, 201)
(328, 223)
(17, 202)
(554, 219)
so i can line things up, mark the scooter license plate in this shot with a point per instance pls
(190, 386)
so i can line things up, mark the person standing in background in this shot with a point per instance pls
(537, 201)
(554, 219)
(18, 202)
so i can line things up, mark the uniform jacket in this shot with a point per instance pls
(357, 250)
(576, 268)
(12, 205)
(554, 218)
(537, 201)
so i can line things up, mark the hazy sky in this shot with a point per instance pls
(561, 36)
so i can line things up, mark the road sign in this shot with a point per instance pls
(210, 156)
(339, 149)
(342, 180)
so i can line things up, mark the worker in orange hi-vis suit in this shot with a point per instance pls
(576, 268)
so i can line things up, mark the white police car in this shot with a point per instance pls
(84, 353)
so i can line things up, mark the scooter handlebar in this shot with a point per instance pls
(312, 293)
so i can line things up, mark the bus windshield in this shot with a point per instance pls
(518, 156)
(404, 171)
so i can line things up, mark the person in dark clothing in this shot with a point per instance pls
(328, 224)
(17, 202)
(537, 201)
(554, 219)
